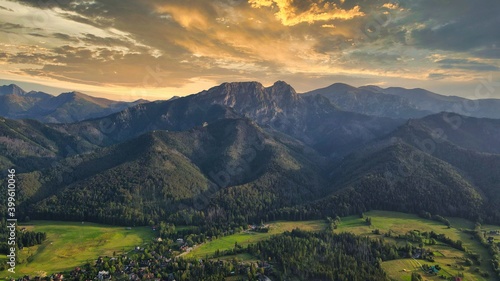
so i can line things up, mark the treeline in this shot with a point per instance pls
(300, 255)
(438, 218)
(24, 238)
(494, 248)
(30, 238)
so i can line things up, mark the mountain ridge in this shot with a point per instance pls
(398, 102)
(67, 107)
(251, 152)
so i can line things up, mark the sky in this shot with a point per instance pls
(152, 49)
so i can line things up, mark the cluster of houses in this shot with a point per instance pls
(140, 270)
(143, 273)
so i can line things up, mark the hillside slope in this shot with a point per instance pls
(150, 176)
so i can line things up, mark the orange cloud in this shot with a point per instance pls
(289, 15)
(390, 6)
(186, 16)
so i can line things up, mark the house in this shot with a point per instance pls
(103, 275)
(179, 241)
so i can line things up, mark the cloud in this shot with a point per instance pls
(189, 16)
(110, 43)
(376, 59)
(463, 26)
(436, 76)
(6, 9)
(9, 26)
(290, 14)
(466, 64)
(63, 36)
(492, 52)
(37, 35)
(392, 6)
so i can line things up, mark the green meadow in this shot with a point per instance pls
(451, 260)
(249, 237)
(71, 244)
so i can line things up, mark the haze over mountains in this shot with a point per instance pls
(396, 102)
(251, 152)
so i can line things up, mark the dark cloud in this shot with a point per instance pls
(37, 35)
(10, 26)
(436, 76)
(104, 41)
(6, 9)
(466, 64)
(375, 58)
(63, 36)
(458, 25)
(492, 52)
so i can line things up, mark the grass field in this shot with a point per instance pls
(71, 244)
(448, 258)
(245, 238)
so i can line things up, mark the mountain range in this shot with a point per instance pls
(68, 107)
(396, 102)
(241, 152)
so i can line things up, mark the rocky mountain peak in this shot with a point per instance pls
(11, 89)
(282, 88)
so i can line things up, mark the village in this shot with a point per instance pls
(152, 260)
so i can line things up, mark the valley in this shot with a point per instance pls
(250, 140)
(70, 245)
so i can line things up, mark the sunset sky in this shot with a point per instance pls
(152, 49)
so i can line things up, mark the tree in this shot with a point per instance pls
(416, 277)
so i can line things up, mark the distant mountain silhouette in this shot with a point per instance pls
(68, 107)
(396, 102)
